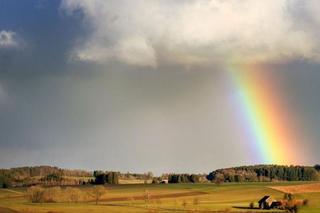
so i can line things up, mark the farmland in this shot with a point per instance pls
(228, 197)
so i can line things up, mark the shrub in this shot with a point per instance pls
(73, 194)
(52, 194)
(218, 179)
(251, 205)
(288, 196)
(4, 182)
(305, 202)
(155, 180)
(184, 203)
(35, 194)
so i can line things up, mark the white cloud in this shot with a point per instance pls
(8, 39)
(147, 32)
(133, 50)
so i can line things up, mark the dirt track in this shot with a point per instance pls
(155, 196)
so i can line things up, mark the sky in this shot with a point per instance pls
(145, 85)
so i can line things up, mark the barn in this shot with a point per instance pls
(265, 202)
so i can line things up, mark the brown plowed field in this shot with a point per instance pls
(297, 189)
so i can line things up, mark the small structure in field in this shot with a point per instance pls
(268, 203)
(265, 202)
(164, 181)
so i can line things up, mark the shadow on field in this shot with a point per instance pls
(249, 209)
(159, 209)
(244, 207)
(7, 210)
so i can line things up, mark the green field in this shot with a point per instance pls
(161, 198)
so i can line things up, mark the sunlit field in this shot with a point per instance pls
(162, 198)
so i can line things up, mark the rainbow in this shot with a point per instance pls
(265, 117)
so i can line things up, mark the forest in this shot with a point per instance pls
(265, 173)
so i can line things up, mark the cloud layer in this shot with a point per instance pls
(192, 32)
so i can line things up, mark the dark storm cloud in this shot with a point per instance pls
(45, 34)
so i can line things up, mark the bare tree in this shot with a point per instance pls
(147, 197)
(35, 194)
(73, 194)
(219, 179)
(52, 194)
(97, 192)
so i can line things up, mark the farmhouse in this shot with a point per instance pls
(268, 203)
(265, 202)
(164, 181)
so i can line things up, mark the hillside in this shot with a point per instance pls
(266, 173)
(26, 176)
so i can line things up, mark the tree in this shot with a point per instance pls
(108, 177)
(97, 172)
(147, 197)
(112, 178)
(219, 179)
(238, 178)
(268, 173)
(100, 179)
(73, 194)
(194, 178)
(52, 179)
(156, 180)
(251, 205)
(35, 194)
(97, 193)
(52, 194)
(4, 182)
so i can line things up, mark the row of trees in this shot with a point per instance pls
(265, 173)
(136, 176)
(28, 176)
(36, 171)
(183, 178)
(54, 176)
(38, 194)
(106, 177)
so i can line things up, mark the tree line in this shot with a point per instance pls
(29, 176)
(54, 176)
(33, 171)
(266, 173)
(106, 177)
(183, 178)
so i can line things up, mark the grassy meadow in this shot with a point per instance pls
(162, 198)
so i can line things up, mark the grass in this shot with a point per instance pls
(163, 198)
